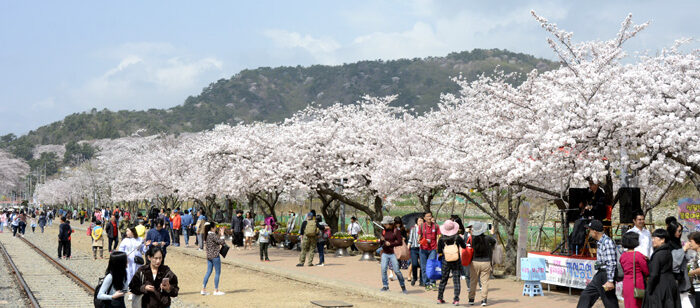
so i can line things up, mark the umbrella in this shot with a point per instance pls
(410, 219)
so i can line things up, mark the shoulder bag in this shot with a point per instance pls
(224, 250)
(638, 293)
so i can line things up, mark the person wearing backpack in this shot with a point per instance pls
(309, 231)
(449, 246)
(110, 292)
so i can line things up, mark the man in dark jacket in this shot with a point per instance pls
(112, 231)
(64, 232)
(237, 228)
(595, 203)
(158, 237)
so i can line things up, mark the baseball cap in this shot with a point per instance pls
(596, 225)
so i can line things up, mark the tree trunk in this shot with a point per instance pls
(374, 212)
(329, 210)
(269, 200)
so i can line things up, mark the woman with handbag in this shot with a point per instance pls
(134, 248)
(634, 265)
(449, 245)
(391, 238)
(213, 243)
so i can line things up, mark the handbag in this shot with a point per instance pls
(467, 253)
(434, 269)
(139, 260)
(224, 250)
(638, 293)
(402, 252)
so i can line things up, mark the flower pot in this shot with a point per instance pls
(368, 249)
(279, 238)
(293, 239)
(341, 246)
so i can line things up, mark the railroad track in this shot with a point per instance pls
(45, 281)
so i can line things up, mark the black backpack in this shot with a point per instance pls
(99, 303)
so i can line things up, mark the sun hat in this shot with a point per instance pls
(478, 228)
(388, 220)
(449, 228)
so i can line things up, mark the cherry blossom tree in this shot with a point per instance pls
(12, 170)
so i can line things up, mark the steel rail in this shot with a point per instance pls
(20, 279)
(82, 283)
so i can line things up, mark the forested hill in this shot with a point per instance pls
(272, 94)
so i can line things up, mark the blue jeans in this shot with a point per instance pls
(415, 257)
(216, 264)
(424, 256)
(186, 236)
(386, 258)
(319, 247)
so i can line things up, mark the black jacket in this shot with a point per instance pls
(597, 200)
(64, 231)
(237, 224)
(144, 277)
(109, 229)
(662, 289)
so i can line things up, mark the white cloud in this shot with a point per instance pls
(319, 48)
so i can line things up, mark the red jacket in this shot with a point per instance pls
(429, 233)
(177, 222)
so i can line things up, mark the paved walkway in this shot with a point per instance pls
(364, 277)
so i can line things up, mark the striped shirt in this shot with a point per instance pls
(413, 238)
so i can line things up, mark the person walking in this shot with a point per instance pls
(112, 231)
(237, 228)
(480, 268)
(114, 285)
(42, 221)
(414, 247)
(134, 247)
(264, 239)
(449, 247)
(428, 234)
(159, 237)
(32, 222)
(22, 222)
(662, 288)
(354, 230)
(391, 237)
(602, 284)
(321, 243)
(201, 220)
(98, 240)
(248, 232)
(64, 232)
(177, 227)
(214, 241)
(186, 222)
(309, 231)
(3, 221)
(634, 266)
(154, 282)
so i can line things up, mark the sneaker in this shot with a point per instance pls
(219, 293)
(471, 301)
(483, 303)
(320, 264)
(456, 303)
(413, 283)
(267, 260)
(203, 293)
(427, 288)
(403, 290)
(310, 264)
(435, 287)
(384, 289)
(300, 264)
(440, 301)
(463, 277)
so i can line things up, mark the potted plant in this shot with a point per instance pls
(368, 244)
(294, 236)
(341, 241)
(278, 235)
(227, 228)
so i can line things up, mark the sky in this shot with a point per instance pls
(63, 57)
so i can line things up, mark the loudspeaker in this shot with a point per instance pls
(630, 203)
(576, 196)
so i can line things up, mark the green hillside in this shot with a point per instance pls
(272, 94)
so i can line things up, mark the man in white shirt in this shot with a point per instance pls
(354, 230)
(644, 235)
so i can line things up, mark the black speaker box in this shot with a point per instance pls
(630, 203)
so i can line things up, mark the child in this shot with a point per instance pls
(264, 239)
(97, 240)
(32, 222)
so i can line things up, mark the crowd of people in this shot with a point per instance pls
(655, 269)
